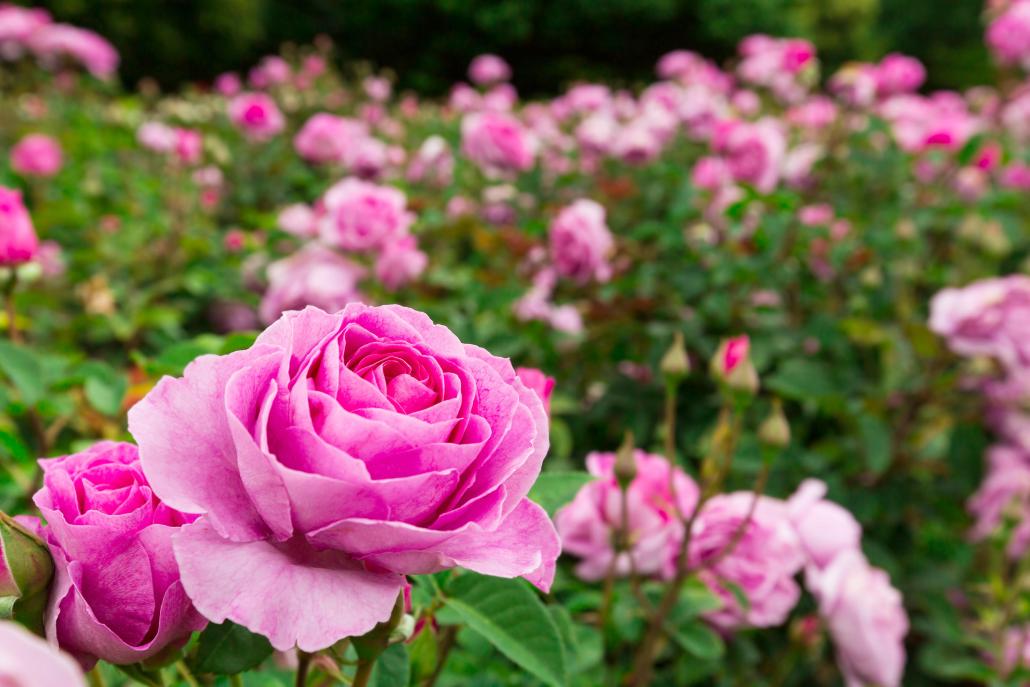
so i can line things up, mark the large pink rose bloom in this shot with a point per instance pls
(18, 241)
(52, 42)
(360, 215)
(28, 661)
(497, 142)
(337, 455)
(117, 594)
(762, 563)
(866, 620)
(327, 138)
(36, 155)
(989, 317)
(588, 524)
(581, 243)
(314, 275)
(825, 528)
(257, 115)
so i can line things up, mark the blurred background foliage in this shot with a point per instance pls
(549, 42)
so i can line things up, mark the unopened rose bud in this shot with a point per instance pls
(26, 570)
(625, 462)
(775, 430)
(675, 364)
(733, 367)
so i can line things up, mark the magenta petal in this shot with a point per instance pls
(290, 593)
(186, 446)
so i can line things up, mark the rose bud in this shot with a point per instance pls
(733, 367)
(26, 571)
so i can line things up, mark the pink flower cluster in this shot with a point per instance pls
(183, 145)
(991, 319)
(24, 30)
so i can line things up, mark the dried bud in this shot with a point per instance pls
(775, 430)
(26, 570)
(625, 462)
(675, 364)
(733, 367)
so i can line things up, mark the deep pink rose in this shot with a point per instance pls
(989, 317)
(824, 528)
(487, 69)
(762, 563)
(327, 138)
(28, 661)
(654, 518)
(754, 151)
(117, 594)
(189, 146)
(36, 155)
(18, 242)
(497, 142)
(314, 275)
(337, 455)
(866, 620)
(360, 215)
(581, 243)
(257, 115)
(899, 73)
(400, 262)
(539, 382)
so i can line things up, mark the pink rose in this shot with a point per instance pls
(1005, 490)
(711, 173)
(189, 146)
(272, 70)
(18, 242)
(497, 142)
(26, 660)
(899, 73)
(326, 138)
(487, 69)
(156, 136)
(581, 243)
(257, 115)
(536, 380)
(314, 275)
(824, 528)
(433, 163)
(989, 317)
(16, 25)
(678, 63)
(1008, 35)
(228, 84)
(866, 620)
(400, 262)
(360, 215)
(337, 455)
(52, 42)
(754, 151)
(377, 88)
(298, 219)
(762, 563)
(117, 595)
(654, 519)
(36, 155)
(817, 215)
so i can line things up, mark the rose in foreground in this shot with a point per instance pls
(338, 454)
(18, 242)
(26, 660)
(117, 594)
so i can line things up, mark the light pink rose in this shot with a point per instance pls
(824, 528)
(899, 73)
(16, 25)
(433, 163)
(156, 136)
(52, 42)
(754, 151)
(228, 84)
(989, 317)
(337, 455)
(815, 113)
(257, 115)
(327, 138)
(1008, 35)
(678, 63)
(865, 618)
(400, 262)
(488, 69)
(298, 219)
(28, 661)
(539, 382)
(117, 594)
(497, 142)
(581, 243)
(1005, 491)
(817, 215)
(762, 564)
(360, 215)
(18, 242)
(36, 155)
(272, 70)
(711, 173)
(588, 524)
(314, 275)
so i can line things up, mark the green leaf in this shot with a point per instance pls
(801, 380)
(138, 673)
(554, 489)
(512, 618)
(23, 368)
(393, 669)
(105, 388)
(697, 639)
(228, 649)
(876, 442)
